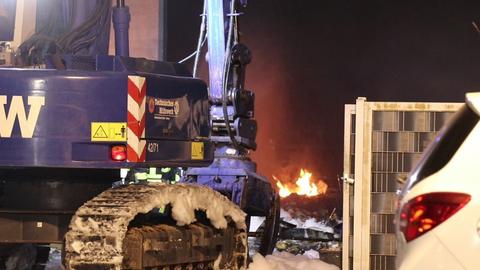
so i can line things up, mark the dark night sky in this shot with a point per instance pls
(311, 57)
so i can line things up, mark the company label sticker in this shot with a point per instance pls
(198, 151)
(108, 132)
(166, 109)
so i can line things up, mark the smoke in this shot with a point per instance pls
(272, 109)
(289, 107)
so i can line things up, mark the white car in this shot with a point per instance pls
(438, 221)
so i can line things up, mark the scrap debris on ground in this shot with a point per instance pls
(306, 241)
(303, 233)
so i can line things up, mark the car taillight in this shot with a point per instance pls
(118, 152)
(425, 212)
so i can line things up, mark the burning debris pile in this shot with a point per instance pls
(309, 222)
(304, 186)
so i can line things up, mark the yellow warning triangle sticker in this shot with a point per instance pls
(100, 133)
(108, 131)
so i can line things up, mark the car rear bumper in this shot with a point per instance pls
(425, 252)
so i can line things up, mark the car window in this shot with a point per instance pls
(445, 145)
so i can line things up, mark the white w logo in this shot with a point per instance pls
(17, 110)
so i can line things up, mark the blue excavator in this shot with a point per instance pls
(79, 130)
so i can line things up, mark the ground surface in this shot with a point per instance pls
(287, 261)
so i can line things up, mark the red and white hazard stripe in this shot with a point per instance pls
(136, 150)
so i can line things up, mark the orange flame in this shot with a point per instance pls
(304, 186)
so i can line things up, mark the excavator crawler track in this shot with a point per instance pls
(205, 230)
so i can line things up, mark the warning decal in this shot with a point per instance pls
(197, 151)
(108, 132)
(100, 133)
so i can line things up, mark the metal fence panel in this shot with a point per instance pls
(383, 141)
